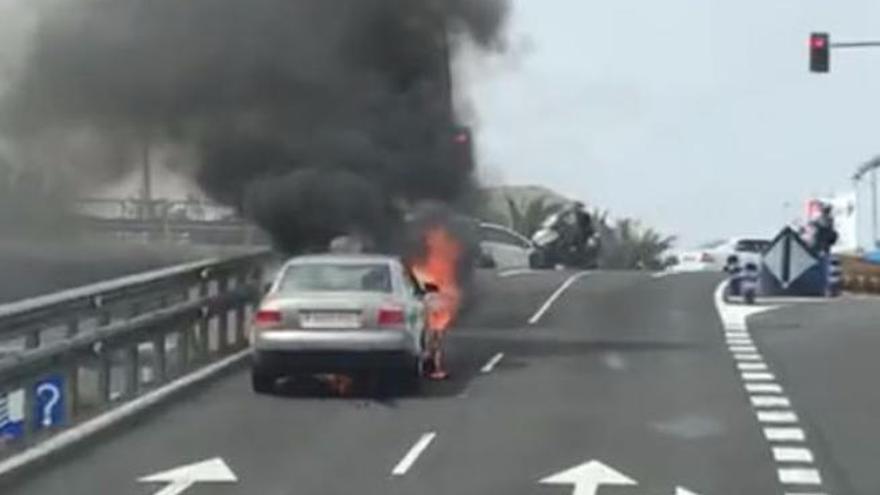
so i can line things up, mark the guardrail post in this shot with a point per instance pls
(133, 370)
(202, 328)
(160, 360)
(223, 315)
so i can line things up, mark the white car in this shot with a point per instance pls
(505, 247)
(713, 256)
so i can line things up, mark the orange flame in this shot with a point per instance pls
(440, 267)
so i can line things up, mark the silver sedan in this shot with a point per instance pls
(340, 314)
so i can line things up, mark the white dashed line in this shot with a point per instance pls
(410, 458)
(751, 366)
(553, 297)
(792, 454)
(769, 401)
(758, 376)
(771, 407)
(489, 366)
(777, 417)
(764, 388)
(515, 271)
(748, 357)
(785, 434)
(743, 348)
(800, 476)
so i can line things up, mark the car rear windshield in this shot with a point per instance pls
(752, 245)
(342, 278)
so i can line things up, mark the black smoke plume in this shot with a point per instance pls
(313, 117)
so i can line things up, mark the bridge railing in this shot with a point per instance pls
(73, 355)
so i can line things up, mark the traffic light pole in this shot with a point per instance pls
(856, 44)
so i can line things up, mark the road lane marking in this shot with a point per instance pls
(489, 366)
(758, 376)
(771, 408)
(793, 454)
(413, 455)
(748, 357)
(777, 417)
(751, 366)
(663, 274)
(743, 348)
(553, 297)
(513, 272)
(800, 476)
(785, 434)
(769, 401)
(764, 388)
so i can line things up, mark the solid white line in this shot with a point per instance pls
(751, 366)
(748, 357)
(792, 454)
(553, 297)
(785, 434)
(410, 458)
(743, 348)
(769, 401)
(488, 367)
(77, 433)
(800, 476)
(777, 417)
(515, 271)
(764, 388)
(757, 376)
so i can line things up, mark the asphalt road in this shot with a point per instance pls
(621, 368)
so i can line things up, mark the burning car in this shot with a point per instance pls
(354, 314)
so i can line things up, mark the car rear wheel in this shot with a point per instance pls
(262, 382)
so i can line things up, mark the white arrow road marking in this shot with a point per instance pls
(588, 477)
(180, 478)
(684, 491)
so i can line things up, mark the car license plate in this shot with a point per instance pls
(329, 319)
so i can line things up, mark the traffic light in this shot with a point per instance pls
(462, 141)
(820, 52)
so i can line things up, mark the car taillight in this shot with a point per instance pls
(707, 258)
(267, 318)
(390, 317)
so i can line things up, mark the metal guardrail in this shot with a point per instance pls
(77, 353)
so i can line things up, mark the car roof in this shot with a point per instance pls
(343, 259)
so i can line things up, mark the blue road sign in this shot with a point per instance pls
(11, 415)
(49, 403)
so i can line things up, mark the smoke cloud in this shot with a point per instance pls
(313, 117)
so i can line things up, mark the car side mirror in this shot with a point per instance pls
(431, 288)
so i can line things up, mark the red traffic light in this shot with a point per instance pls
(820, 52)
(461, 138)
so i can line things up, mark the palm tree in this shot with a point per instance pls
(529, 220)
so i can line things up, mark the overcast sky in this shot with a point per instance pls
(698, 116)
